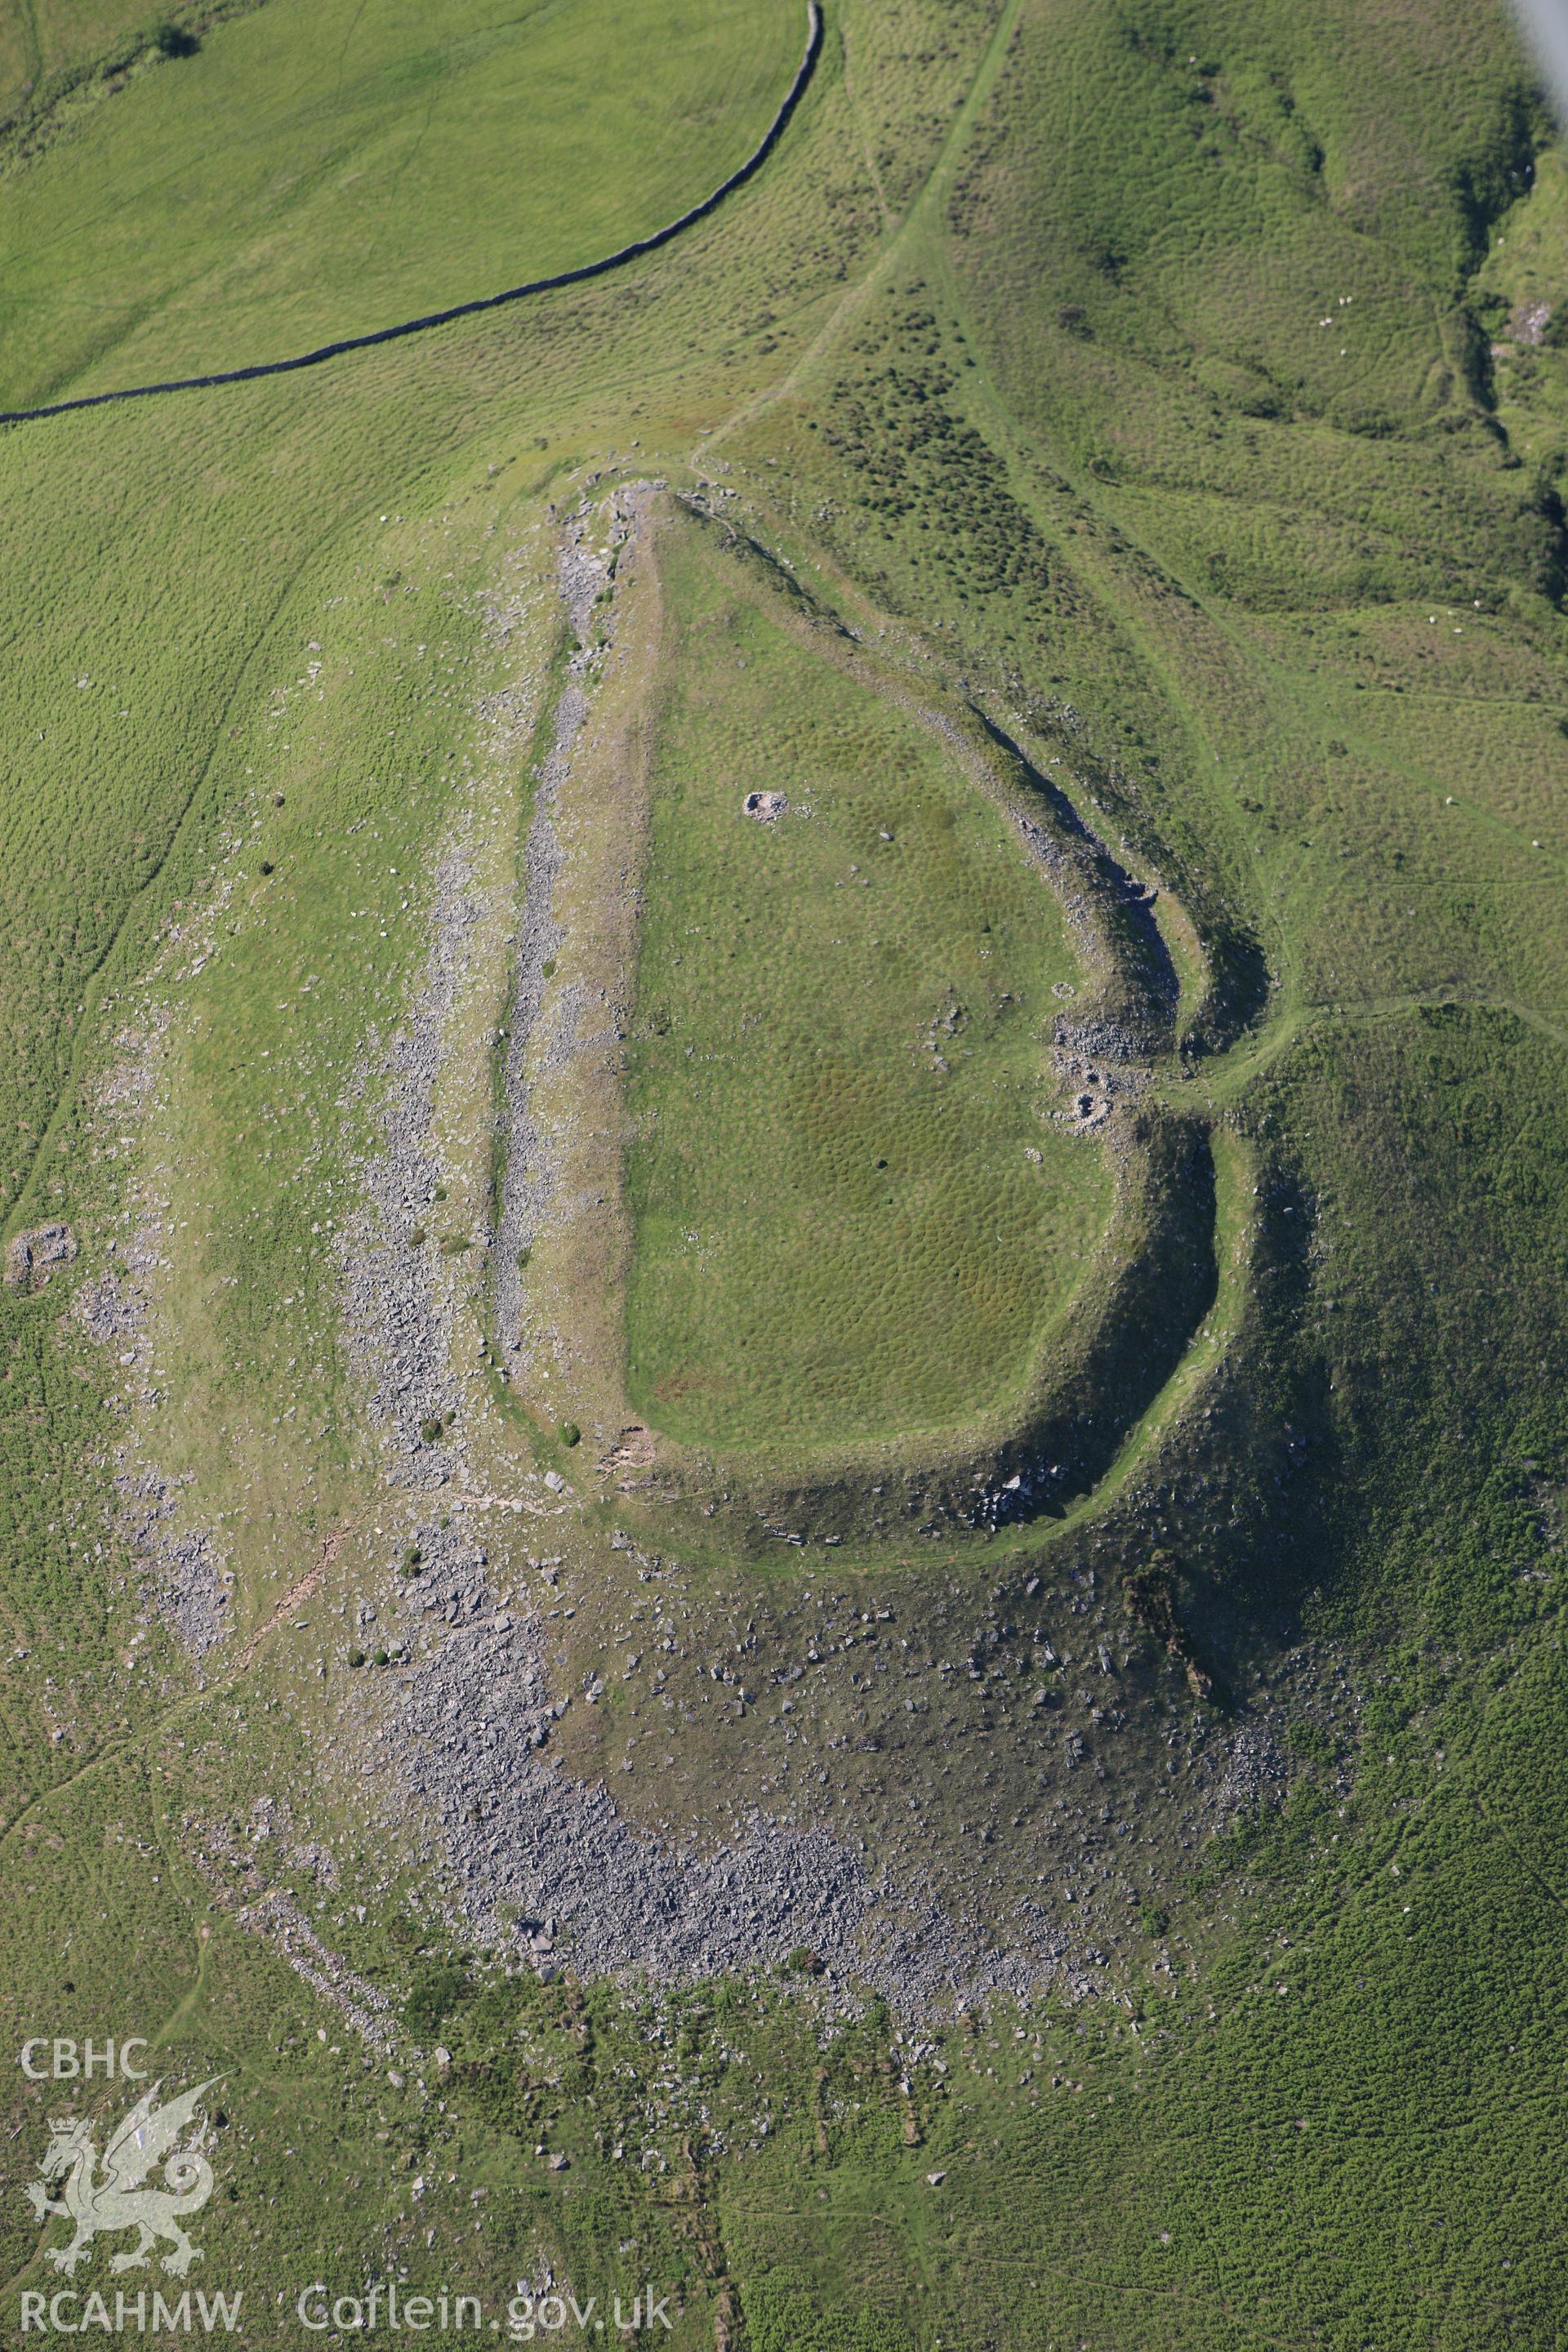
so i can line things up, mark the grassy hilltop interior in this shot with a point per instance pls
(1169, 386)
(840, 1086)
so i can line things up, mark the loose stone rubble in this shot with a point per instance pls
(181, 1567)
(468, 1732)
(397, 1322)
(182, 1570)
(538, 1857)
(588, 558)
(31, 1257)
(362, 2006)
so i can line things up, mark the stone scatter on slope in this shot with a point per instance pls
(467, 1724)
(525, 1839)
(397, 1325)
(585, 570)
(476, 1709)
(183, 1568)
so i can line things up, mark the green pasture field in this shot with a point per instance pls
(314, 171)
(50, 46)
(844, 1111)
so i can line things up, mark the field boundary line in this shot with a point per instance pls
(586, 270)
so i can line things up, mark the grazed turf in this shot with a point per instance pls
(842, 1091)
(316, 171)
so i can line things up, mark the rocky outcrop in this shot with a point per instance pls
(31, 1257)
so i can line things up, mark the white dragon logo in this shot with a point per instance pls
(116, 2199)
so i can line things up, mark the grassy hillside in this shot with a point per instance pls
(1172, 1952)
(311, 172)
(73, 51)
